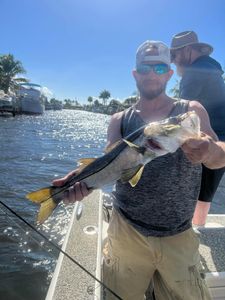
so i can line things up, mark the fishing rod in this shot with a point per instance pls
(60, 250)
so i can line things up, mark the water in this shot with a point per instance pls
(34, 150)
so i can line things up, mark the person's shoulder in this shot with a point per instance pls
(114, 128)
(194, 104)
(197, 107)
(206, 62)
(117, 117)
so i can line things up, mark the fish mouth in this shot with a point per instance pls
(153, 145)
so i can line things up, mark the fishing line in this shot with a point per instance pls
(60, 250)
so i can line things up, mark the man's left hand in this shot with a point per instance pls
(198, 150)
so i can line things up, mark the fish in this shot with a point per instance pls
(124, 161)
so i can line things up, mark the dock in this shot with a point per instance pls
(7, 109)
(84, 243)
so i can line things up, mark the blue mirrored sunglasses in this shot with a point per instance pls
(158, 69)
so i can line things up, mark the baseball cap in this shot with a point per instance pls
(153, 51)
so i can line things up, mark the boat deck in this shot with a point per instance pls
(70, 282)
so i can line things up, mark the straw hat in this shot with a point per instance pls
(187, 38)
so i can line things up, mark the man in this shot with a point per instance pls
(150, 233)
(201, 80)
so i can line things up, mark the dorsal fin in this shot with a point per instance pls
(83, 163)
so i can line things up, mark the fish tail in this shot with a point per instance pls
(46, 210)
(45, 197)
(41, 195)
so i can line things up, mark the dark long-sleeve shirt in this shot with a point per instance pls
(203, 81)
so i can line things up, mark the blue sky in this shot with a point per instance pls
(79, 48)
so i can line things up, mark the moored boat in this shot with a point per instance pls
(6, 103)
(31, 98)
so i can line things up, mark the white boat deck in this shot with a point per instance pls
(70, 282)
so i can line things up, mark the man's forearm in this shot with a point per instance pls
(216, 156)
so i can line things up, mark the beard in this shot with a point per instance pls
(151, 94)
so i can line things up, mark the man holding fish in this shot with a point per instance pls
(150, 235)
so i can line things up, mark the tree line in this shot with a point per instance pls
(10, 68)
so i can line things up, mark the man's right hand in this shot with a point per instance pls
(77, 192)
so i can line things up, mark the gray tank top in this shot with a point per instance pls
(163, 201)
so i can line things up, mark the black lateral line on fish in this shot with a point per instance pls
(59, 249)
(106, 159)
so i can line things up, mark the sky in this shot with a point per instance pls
(78, 48)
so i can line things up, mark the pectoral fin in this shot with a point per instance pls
(132, 175)
(130, 144)
(135, 147)
(134, 180)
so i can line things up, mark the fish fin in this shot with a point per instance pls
(131, 145)
(128, 174)
(40, 195)
(139, 149)
(46, 210)
(111, 147)
(134, 180)
(85, 161)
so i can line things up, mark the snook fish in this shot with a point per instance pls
(125, 160)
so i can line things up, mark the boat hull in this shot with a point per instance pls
(30, 105)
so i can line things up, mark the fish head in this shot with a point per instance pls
(168, 135)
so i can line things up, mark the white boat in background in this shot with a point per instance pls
(6, 103)
(31, 98)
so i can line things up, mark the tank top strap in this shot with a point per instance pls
(180, 107)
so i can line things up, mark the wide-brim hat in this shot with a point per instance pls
(189, 38)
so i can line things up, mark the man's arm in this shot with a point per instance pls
(80, 190)
(114, 129)
(207, 149)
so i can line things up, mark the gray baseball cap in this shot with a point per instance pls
(151, 51)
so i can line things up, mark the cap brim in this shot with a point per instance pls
(201, 45)
(155, 59)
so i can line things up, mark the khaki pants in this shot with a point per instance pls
(131, 260)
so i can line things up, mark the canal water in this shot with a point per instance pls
(33, 151)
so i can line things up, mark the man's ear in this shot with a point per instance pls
(170, 74)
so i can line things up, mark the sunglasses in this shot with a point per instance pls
(158, 69)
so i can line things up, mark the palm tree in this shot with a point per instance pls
(104, 95)
(9, 69)
(175, 90)
(90, 99)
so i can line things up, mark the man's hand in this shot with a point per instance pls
(198, 150)
(77, 192)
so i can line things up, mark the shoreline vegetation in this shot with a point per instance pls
(10, 83)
